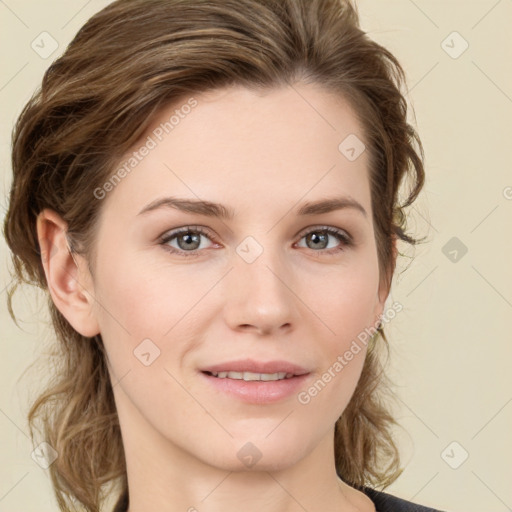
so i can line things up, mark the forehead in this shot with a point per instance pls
(244, 147)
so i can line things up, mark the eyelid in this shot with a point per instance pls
(330, 229)
(207, 231)
(172, 233)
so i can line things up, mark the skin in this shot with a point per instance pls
(263, 155)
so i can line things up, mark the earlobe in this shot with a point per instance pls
(69, 280)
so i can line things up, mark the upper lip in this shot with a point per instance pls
(250, 365)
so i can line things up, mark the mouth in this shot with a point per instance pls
(251, 376)
(250, 369)
(256, 382)
(254, 387)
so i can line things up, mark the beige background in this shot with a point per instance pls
(452, 342)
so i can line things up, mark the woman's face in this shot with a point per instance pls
(264, 288)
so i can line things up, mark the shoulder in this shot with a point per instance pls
(388, 503)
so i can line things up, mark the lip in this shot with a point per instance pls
(250, 365)
(257, 392)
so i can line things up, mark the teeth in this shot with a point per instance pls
(252, 376)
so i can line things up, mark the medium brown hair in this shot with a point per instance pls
(125, 65)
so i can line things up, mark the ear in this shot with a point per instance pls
(69, 280)
(385, 285)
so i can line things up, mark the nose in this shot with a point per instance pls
(259, 295)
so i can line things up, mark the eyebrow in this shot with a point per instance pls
(212, 209)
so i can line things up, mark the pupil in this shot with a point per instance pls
(316, 238)
(190, 238)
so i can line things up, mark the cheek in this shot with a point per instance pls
(345, 299)
(345, 307)
(150, 313)
(139, 299)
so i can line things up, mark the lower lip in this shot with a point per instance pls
(257, 391)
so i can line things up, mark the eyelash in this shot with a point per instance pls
(345, 239)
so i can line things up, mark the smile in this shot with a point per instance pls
(247, 376)
(256, 388)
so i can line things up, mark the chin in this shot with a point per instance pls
(258, 453)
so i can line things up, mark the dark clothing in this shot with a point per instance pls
(387, 503)
(383, 503)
